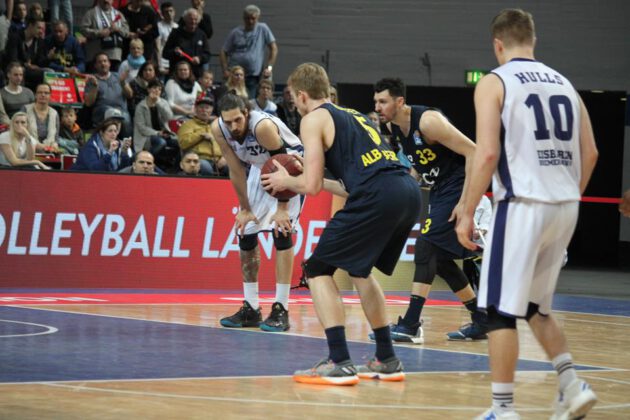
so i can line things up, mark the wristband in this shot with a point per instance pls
(283, 200)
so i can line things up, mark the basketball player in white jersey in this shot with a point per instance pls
(250, 138)
(535, 140)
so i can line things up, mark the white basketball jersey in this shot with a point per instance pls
(249, 150)
(540, 135)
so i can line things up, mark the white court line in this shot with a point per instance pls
(257, 331)
(220, 378)
(307, 403)
(49, 329)
(617, 381)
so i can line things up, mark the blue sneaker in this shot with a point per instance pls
(469, 332)
(402, 333)
(245, 317)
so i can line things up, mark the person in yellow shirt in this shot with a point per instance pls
(196, 136)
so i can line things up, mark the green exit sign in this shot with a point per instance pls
(473, 76)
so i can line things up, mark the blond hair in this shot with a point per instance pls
(312, 79)
(15, 141)
(239, 89)
(514, 27)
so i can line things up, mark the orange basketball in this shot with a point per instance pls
(291, 164)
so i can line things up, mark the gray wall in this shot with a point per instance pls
(588, 41)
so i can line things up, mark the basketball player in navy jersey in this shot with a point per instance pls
(251, 138)
(440, 154)
(383, 204)
(536, 143)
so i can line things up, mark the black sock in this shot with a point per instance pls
(384, 347)
(471, 305)
(337, 345)
(413, 311)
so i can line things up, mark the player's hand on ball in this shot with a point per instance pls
(275, 182)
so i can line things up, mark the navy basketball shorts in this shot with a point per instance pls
(372, 228)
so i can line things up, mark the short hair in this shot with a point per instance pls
(155, 83)
(312, 79)
(67, 110)
(58, 22)
(190, 11)
(136, 42)
(394, 85)
(43, 84)
(166, 5)
(265, 82)
(33, 20)
(251, 9)
(231, 101)
(189, 152)
(514, 27)
(135, 158)
(14, 64)
(98, 54)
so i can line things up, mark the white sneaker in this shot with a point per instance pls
(490, 414)
(575, 402)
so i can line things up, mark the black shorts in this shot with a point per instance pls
(373, 227)
(437, 229)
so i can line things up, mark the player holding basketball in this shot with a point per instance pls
(439, 153)
(370, 231)
(251, 138)
(534, 139)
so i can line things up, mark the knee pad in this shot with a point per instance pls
(315, 268)
(426, 262)
(496, 321)
(248, 242)
(532, 309)
(282, 242)
(452, 274)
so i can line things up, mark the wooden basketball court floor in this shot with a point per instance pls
(174, 361)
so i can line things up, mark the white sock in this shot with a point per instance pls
(503, 396)
(251, 294)
(563, 364)
(282, 294)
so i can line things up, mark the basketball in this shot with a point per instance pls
(291, 164)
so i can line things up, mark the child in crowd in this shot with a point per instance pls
(129, 68)
(208, 90)
(71, 137)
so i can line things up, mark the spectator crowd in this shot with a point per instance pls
(148, 92)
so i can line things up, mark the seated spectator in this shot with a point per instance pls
(129, 68)
(27, 47)
(36, 11)
(235, 84)
(334, 98)
(71, 137)
(165, 27)
(17, 147)
(288, 113)
(106, 29)
(104, 91)
(150, 123)
(195, 135)
(65, 53)
(4, 117)
(188, 42)
(43, 120)
(143, 164)
(18, 21)
(189, 164)
(142, 21)
(182, 91)
(136, 90)
(103, 152)
(264, 98)
(14, 95)
(206, 81)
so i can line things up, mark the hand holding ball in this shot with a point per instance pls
(293, 167)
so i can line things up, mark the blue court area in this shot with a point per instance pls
(92, 347)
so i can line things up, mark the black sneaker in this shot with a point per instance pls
(278, 319)
(245, 317)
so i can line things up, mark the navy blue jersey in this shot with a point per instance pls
(358, 152)
(435, 163)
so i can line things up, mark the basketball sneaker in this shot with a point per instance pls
(469, 332)
(389, 370)
(402, 333)
(278, 319)
(492, 414)
(575, 402)
(246, 316)
(326, 372)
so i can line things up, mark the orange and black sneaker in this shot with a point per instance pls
(326, 372)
